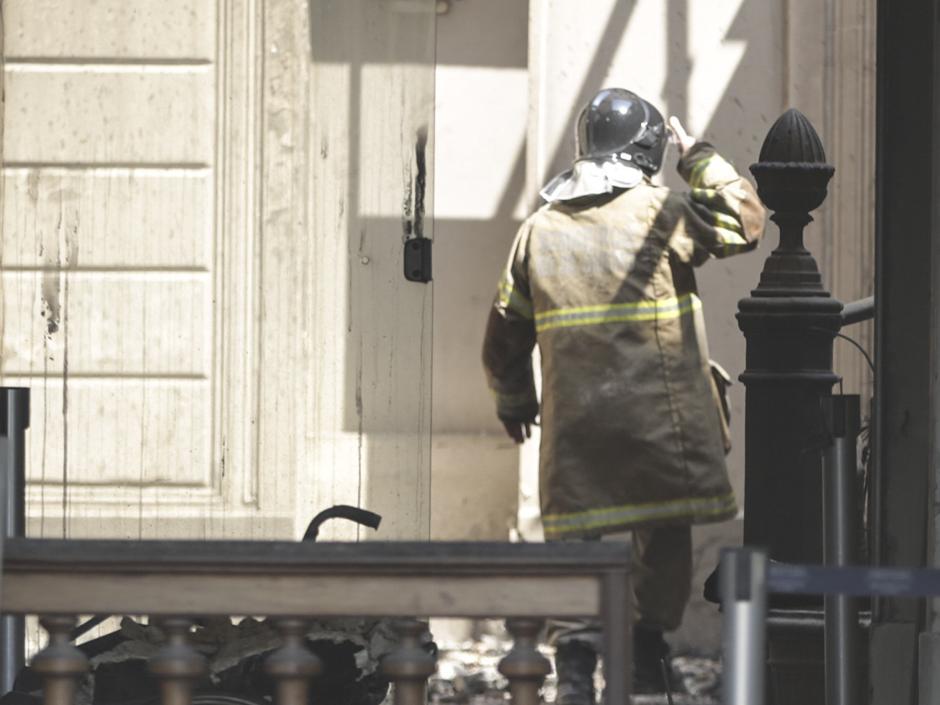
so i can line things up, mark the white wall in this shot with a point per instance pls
(481, 113)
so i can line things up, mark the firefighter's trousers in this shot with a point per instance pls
(662, 584)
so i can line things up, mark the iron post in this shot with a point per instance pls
(789, 322)
(14, 420)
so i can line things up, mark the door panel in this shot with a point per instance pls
(110, 113)
(174, 30)
(157, 218)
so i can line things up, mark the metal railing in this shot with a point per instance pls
(858, 311)
(176, 581)
(841, 527)
(747, 579)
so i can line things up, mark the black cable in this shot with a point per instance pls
(868, 359)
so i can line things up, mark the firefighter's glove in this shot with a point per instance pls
(683, 139)
(518, 431)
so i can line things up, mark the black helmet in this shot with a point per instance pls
(621, 125)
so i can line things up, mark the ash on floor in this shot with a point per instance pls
(467, 674)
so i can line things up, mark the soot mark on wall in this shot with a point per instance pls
(413, 200)
(421, 178)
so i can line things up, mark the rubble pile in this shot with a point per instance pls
(467, 674)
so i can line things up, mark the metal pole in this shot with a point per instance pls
(618, 644)
(840, 507)
(744, 608)
(14, 420)
(858, 311)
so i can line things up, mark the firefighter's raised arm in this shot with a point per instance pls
(722, 214)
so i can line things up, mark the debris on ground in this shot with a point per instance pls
(467, 674)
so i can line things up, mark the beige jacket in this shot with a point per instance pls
(631, 431)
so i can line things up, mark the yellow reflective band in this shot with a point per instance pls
(725, 222)
(730, 237)
(718, 200)
(692, 508)
(733, 244)
(617, 313)
(717, 170)
(705, 196)
(511, 298)
(695, 175)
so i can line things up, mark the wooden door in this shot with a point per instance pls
(202, 273)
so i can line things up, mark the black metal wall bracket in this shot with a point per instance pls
(418, 259)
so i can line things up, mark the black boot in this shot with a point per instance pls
(575, 662)
(652, 666)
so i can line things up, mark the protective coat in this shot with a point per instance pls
(632, 434)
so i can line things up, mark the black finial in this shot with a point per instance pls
(792, 178)
(792, 173)
(793, 139)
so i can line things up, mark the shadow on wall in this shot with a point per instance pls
(471, 253)
(482, 101)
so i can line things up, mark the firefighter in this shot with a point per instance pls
(633, 437)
